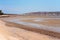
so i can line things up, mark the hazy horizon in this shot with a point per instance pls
(26, 6)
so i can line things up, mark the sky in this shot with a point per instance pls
(26, 6)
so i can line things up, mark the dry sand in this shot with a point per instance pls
(14, 33)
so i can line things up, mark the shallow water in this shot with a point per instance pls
(34, 25)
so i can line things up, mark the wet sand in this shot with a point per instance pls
(14, 31)
(34, 25)
(41, 31)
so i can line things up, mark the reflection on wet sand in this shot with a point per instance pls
(16, 29)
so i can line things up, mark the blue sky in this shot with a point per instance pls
(25, 6)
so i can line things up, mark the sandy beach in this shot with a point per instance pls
(13, 31)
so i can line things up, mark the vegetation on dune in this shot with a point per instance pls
(1, 13)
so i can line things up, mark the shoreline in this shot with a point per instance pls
(50, 33)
